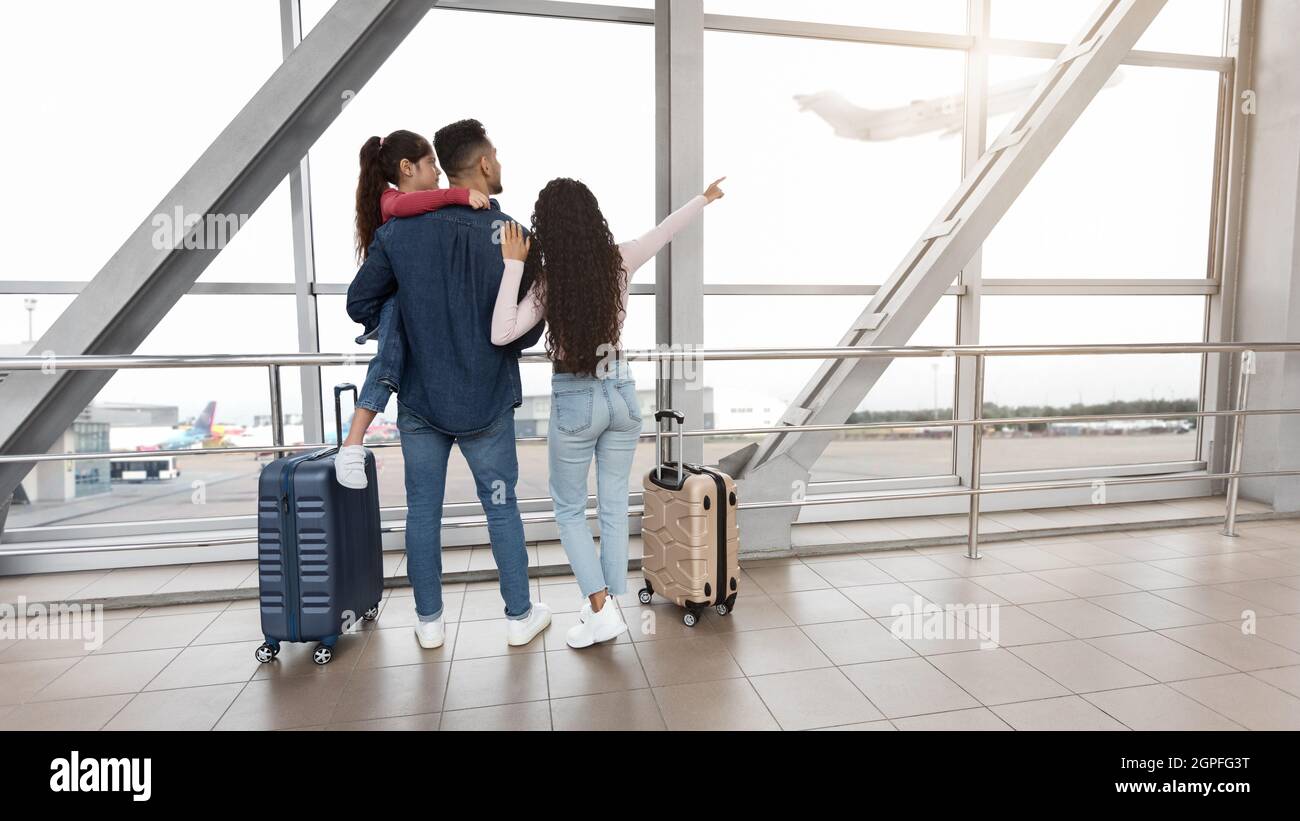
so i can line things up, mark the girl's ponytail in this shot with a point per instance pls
(381, 160)
(370, 187)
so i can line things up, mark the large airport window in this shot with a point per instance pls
(152, 84)
(262, 248)
(832, 172)
(1190, 26)
(1084, 385)
(757, 393)
(547, 111)
(1128, 191)
(141, 411)
(25, 317)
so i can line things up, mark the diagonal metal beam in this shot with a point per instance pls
(782, 463)
(244, 164)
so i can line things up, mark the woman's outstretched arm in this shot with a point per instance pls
(639, 251)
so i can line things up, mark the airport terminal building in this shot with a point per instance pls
(1001, 309)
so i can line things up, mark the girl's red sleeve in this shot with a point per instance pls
(394, 203)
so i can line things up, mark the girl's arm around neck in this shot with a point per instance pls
(394, 203)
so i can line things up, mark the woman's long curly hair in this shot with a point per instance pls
(579, 276)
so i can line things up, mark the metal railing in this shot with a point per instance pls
(273, 362)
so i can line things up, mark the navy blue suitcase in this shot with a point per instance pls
(319, 558)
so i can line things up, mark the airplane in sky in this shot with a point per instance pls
(193, 437)
(943, 114)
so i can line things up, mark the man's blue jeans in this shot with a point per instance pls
(492, 460)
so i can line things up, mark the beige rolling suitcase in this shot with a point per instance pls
(689, 531)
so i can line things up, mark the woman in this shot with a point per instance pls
(580, 287)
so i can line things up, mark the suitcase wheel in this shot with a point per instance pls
(690, 619)
(722, 609)
(267, 652)
(371, 614)
(645, 595)
(322, 654)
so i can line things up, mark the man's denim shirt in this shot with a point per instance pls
(444, 269)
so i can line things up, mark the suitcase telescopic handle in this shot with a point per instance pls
(673, 416)
(339, 390)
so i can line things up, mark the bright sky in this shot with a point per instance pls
(1126, 194)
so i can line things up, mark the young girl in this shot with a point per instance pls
(405, 160)
(580, 287)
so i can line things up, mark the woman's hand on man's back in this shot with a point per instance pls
(514, 245)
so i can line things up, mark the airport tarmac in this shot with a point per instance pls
(218, 484)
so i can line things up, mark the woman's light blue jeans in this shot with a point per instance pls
(600, 417)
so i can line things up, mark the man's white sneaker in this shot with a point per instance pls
(600, 626)
(431, 634)
(522, 631)
(350, 466)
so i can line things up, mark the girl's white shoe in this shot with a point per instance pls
(350, 466)
(603, 625)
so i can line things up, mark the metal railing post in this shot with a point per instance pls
(277, 413)
(977, 437)
(663, 384)
(1238, 439)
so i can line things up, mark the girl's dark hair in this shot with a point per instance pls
(380, 161)
(579, 274)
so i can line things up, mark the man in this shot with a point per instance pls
(457, 386)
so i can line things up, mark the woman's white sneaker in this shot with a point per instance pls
(431, 634)
(603, 625)
(522, 631)
(585, 612)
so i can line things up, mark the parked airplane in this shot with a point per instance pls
(264, 436)
(193, 437)
(380, 430)
(944, 114)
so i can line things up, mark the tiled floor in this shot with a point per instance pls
(1140, 630)
(997, 526)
